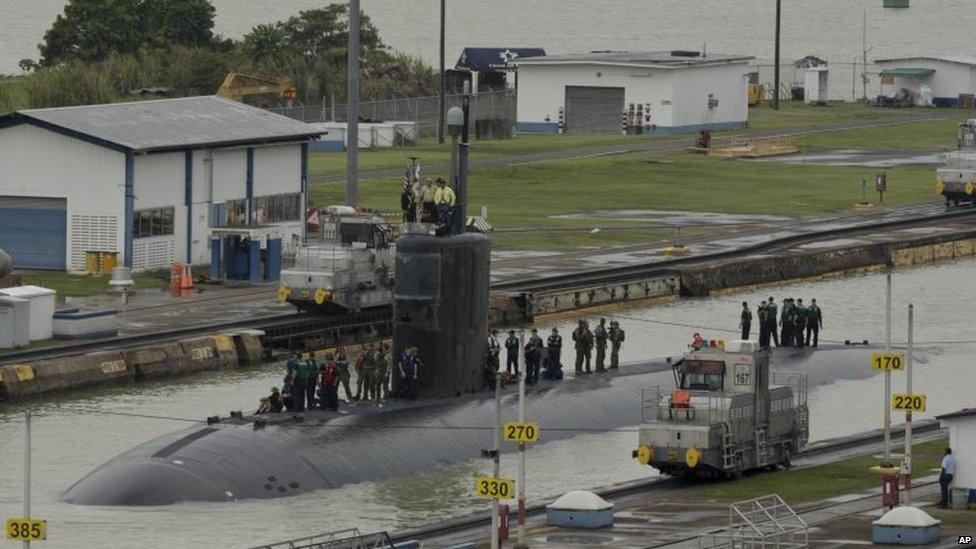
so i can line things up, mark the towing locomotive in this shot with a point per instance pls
(723, 417)
(351, 271)
(955, 178)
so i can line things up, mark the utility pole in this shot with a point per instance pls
(886, 461)
(440, 99)
(497, 453)
(352, 107)
(776, 83)
(907, 464)
(27, 469)
(521, 445)
(864, 52)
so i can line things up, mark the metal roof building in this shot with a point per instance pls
(948, 77)
(637, 92)
(145, 180)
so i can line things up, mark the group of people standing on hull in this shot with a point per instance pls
(309, 384)
(799, 325)
(549, 354)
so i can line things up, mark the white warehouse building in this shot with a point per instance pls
(649, 92)
(147, 180)
(947, 77)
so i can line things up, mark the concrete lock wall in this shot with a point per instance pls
(160, 360)
(58, 374)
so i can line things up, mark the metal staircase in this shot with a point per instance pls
(729, 460)
(762, 446)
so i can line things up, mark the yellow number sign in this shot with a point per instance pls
(910, 402)
(521, 431)
(494, 488)
(20, 529)
(887, 361)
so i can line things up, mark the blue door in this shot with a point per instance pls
(34, 231)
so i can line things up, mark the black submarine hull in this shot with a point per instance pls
(238, 459)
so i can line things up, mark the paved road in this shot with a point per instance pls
(651, 145)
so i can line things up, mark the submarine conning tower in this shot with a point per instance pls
(440, 306)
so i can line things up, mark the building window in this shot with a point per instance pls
(153, 222)
(276, 208)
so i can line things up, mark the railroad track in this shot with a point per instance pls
(629, 273)
(462, 524)
(294, 325)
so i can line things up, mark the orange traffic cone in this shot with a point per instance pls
(175, 272)
(186, 279)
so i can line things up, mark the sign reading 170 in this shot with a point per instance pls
(887, 361)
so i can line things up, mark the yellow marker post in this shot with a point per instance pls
(908, 402)
(521, 431)
(494, 488)
(27, 530)
(887, 362)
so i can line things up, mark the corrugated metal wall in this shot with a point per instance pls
(42, 163)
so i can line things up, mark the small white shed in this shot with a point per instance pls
(815, 85)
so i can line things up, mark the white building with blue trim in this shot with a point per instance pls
(648, 92)
(146, 180)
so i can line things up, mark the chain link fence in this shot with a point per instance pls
(846, 81)
(492, 112)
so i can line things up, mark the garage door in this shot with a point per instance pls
(594, 110)
(34, 231)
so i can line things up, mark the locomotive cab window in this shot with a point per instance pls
(701, 375)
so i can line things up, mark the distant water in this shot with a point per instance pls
(830, 29)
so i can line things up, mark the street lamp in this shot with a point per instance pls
(455, 127)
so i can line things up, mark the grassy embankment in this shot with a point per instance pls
(791, 117)
(70, 285)
(816, 483)
(527, 196)
(523, 199)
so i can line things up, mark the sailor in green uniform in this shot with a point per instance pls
(786, 324)
(799, 322)
(771, 313)
(745, 321)
(814, 322)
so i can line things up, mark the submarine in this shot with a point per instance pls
(280, 455)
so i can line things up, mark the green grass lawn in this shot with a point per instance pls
(795, 114)
(430, 152)
(527, 196)
(922, 136)
(70, 285)
(817, 483)
(792, 116)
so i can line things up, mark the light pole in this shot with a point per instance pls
(776, 60)
(352, 107)
(440, 99)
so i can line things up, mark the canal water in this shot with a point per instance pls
(74, 434)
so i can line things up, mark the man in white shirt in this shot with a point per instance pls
(945, 476)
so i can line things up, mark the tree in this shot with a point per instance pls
(312, 48)
(90, 30)
(183, 22)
